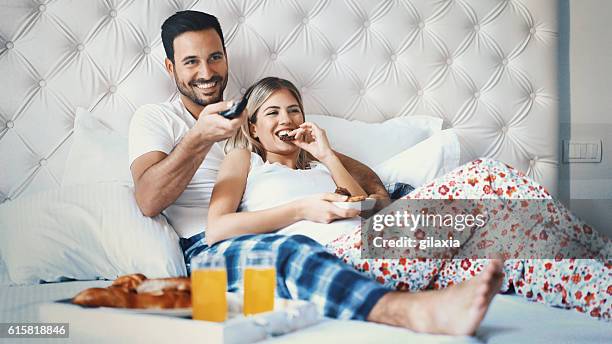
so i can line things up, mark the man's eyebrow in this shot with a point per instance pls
(189, 58)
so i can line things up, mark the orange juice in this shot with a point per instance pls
(259, 284)
(208, 300)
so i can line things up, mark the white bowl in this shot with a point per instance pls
(366, 204)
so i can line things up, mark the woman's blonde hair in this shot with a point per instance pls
(257, 95)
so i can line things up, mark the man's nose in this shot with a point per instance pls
(205, 72)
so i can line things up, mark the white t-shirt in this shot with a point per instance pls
(273, 184)
(160, 127)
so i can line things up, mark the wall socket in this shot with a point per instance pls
(581, 151)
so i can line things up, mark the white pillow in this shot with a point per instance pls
(425, 161)
(373, 143)
(85, 232)
(98, 153)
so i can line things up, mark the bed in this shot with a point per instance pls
(510, 320)
(75, 71)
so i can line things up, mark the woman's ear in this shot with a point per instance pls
(253, 130)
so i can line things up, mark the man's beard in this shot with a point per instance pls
(189, 89)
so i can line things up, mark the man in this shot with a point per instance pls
(175, 156)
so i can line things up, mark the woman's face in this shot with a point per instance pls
(279, 113)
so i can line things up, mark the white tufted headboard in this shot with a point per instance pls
(488, 67)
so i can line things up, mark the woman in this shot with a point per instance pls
(273, 183)
(289, 186)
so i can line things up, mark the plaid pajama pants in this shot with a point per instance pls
(305, 270)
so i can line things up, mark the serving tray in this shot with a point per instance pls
(138, 325)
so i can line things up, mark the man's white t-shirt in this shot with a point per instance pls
(160, 127)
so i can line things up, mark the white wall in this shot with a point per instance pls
(590, 66)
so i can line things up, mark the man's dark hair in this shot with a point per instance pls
(186, 21)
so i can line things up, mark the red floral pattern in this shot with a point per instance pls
(584, 285)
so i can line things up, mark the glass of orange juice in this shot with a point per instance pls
(259, 282)
(208, 287)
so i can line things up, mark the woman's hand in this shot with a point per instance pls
(313, 139)
(319, 208)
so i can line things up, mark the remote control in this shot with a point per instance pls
(235, 110)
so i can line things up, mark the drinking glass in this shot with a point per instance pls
(259, 282)
(208, 287)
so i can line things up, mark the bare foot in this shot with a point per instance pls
(457, 310)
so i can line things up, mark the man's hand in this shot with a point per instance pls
(211, 127)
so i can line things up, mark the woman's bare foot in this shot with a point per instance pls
(457, 310)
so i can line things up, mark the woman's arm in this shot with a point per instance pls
(224, 222)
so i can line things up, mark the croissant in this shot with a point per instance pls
(136, 291)
(163, 284)
(129, 282)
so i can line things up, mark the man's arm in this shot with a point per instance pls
(160, 178)
(368, 180)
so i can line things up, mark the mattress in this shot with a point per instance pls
(511, 319)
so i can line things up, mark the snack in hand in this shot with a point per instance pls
(356, 198)
(284, 136)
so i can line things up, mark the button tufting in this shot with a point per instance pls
(10, 124)
(505, 62)
(112, 13)
(80, 47)
(146, 50)
(305, 20)
(532, 95)
(476, 27)
(420, 93)
(532, 30)
(42, 83)
(243, 90)
(273, 56)
(449, 61)
(9, 45)
(333, 57)
(476, 94)
(504, 129)
(112, 89)
(421, 25)
(42, 8)
(241, 19)
(42, 162)
(366, 24)
(362, 92)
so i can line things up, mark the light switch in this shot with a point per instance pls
(582, 151)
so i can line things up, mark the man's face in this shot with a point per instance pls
(200, 66)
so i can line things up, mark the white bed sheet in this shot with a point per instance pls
(511, 319)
